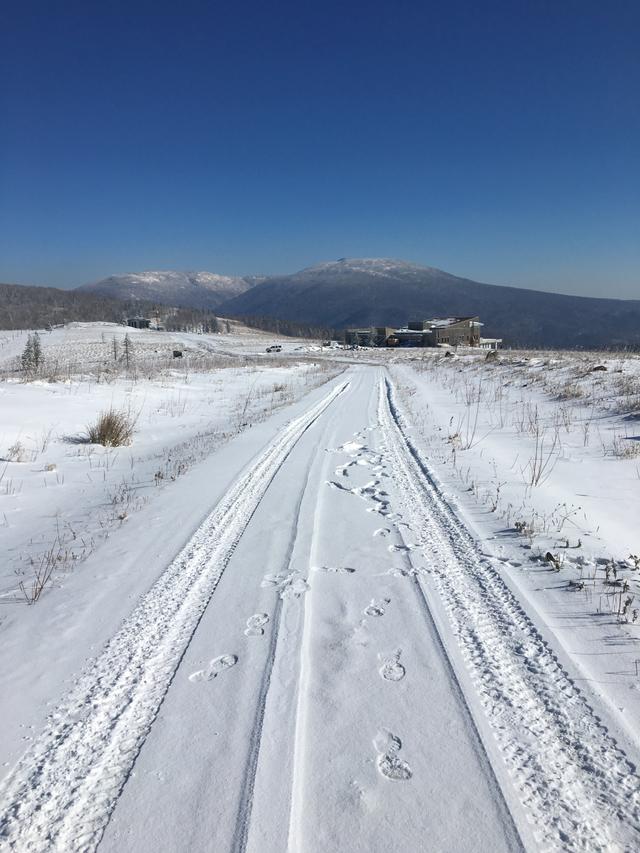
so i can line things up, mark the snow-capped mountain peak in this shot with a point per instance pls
(197, 289)
(383, 267)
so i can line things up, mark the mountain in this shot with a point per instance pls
(386, 292)
(382, 291)
(168, 287)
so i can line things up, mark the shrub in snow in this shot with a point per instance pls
(114, 428)
(16, 452)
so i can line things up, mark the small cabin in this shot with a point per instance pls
(138, 322)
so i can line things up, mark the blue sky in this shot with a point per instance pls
(497, 140)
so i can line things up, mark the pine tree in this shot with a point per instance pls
(26, 358)
(32, 357)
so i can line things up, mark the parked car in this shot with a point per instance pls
(274, 348)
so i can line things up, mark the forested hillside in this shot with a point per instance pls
(23, 307)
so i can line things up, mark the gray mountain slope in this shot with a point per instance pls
(363, 292)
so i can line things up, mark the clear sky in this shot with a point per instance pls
(496, 140)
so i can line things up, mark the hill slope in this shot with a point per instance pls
(353, 292)
(168, 287)
(28, 307)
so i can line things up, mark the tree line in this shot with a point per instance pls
(289, 328)
(26, 307)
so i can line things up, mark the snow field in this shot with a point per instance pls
(60, 496)
(568, 543)
(360, 647)
(98, 351)
(533, 459)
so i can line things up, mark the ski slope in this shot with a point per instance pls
(329, 663)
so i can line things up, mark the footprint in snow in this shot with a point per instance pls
(292, 585)
(333, 485)
(216, 666)
(368, 457)
(255, 625)
(338, 570)
(381, 509)
(401, 549)
(397, 572)
(351, 448)
(389, 763)
(343, 470)
(369, 490)
(382, 531)
(390, 516)
(392, 669)
(296, 587)
(376, 608)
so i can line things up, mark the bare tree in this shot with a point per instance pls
(129, 351)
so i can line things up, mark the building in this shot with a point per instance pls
(436, 332)
(449, 331)
(138, 322)
(407, 337)
(490, 343)
(374, 336)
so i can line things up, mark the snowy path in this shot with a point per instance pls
(362, 680)
(306, 741)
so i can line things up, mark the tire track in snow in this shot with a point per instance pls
(296, 841)
(245, 805)
(261, 812)
(61, 793)
(579, 788)
(288, 592)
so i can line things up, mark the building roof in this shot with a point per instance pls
(443, 322)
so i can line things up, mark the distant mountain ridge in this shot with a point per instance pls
(170, 287)
(380, 267)
(386, 291)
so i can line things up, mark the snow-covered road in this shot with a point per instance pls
(329, 664)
